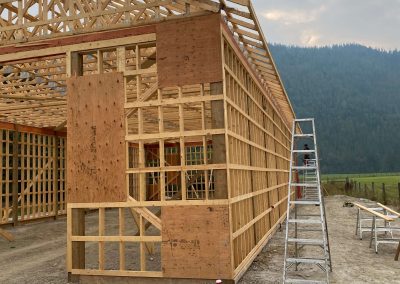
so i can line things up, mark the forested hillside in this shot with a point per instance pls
(354, 94)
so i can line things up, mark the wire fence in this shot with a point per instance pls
(388, 194)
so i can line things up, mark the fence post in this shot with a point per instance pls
(384, 193)
(373, 190)
(365, 190)
(398, 188)
(15, 178)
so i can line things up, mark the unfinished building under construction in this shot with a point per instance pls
(165, 118)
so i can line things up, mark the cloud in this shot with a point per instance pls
(325, 22)
(291, 17)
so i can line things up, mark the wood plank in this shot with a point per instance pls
(15, 177)
(79, 39)
(199, 248)
(96, 142)
(7, 235)
(377, 214)
(77, 228)
(218, 141)
(189, 51)
(389, 209)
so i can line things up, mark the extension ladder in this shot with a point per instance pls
(307, 226)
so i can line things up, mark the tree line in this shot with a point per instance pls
(353, 92)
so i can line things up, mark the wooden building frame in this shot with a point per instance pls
(177, 125)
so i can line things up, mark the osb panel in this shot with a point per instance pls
(189, 51)
(195, 242)
(96, 139)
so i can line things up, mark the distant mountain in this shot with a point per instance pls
(354, 94)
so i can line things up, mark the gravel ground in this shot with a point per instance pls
(353, 261)
(38, 254)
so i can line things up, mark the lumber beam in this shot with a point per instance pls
(78, 214)
(218, 141)
(15, 177)
(7, 235)
(389, 209)
(377, 214)
(78, 229)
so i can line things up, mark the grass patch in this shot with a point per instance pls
(361, 186)
(389, 179)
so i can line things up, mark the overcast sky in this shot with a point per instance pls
(374, 23)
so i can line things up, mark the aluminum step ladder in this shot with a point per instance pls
(307, 226)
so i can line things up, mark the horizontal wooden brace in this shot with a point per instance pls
(256, 219)
(169, 135)
(109, 43)
(140, 71)
(240, 138)
(255, 193)
(252, 168)
(116, 238)
(129, 204)
(243, 266)
(251, 223)
(231, 73)
(177, 168)
(165, 102)
(279, 202)
(117, 273)
(30, 106)
(237, 108)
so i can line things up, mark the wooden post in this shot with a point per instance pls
(365, 191)
(15, 178)
(76, 64)
(78, 248)
(78, 215)
(384, 193)
(218, 142)
(398, 189)
(373, 190)
(56, 187)
(396, 257)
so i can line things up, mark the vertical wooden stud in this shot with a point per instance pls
(384, 194)
(218, 141)
(77, 219)
(15, 177)
(101, 243)
(56, 177)
(122, 265)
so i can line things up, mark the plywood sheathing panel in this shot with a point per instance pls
(196, 242)
(96, 139)
(189, 51)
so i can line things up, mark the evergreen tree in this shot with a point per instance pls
(353, 92)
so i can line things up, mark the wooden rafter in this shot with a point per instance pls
(34, 20)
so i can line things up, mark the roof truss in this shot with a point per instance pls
(42, 82)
